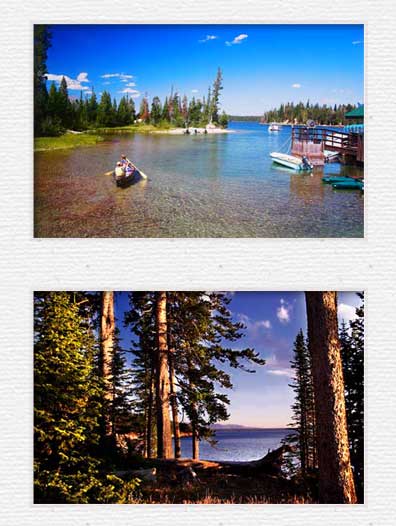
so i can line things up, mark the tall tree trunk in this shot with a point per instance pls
(175, 414)
(164, 435)
(107, 328)
(195, 441)
(336, 483)
(149, 431)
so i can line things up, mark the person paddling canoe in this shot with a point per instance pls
(119, 171)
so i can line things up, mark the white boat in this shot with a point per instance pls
(330, 156)
(290, 161)
(274, 127)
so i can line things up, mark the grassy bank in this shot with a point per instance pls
(90, 137)
(66, 141)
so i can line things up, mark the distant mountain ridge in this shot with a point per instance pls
(225, 427)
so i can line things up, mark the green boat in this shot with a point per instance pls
(330, 179)
(353, 184)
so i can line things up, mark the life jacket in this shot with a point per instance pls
(119, 171)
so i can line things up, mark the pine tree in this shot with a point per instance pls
(67, 395)
(303, 434)
(64, 110)
(141, 319)
(352, 353)
(65, 400)
(41, 44)
(105, 116)
(217, 87)
(156, 111)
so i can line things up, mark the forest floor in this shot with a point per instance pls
(213, 484)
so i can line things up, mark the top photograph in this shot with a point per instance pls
(199, 131)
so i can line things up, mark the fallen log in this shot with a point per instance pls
(271, 464)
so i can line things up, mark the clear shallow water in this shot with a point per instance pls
(198, 186)
(238, 445)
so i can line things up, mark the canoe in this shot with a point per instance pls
(129, 178)
(349, 185)
(290, 161)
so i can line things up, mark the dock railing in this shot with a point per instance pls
(347, 143)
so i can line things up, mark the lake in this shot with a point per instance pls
(237, 444)
(198, 186)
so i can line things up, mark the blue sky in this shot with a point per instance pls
(272, 320)
(263, 65)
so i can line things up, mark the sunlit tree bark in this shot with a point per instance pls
(164, 436)
(175, 414)
(107, 328)
(336, 483)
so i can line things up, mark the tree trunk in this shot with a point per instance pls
(149, 430)
(195, 442)
(164, 435)
(336, 485)
(107, 328)
(175, 414)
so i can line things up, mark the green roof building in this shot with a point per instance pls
(356, 114)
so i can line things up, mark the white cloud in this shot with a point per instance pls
(237, 40)
(130, 84)
(281, 372)
(121, 76)
(72, 84)
(254, 327)
(346, 312)
(296, 85)
(132, 92)
(208, 38)
(82, 77)
(356, 42)
(194, 91)
(283, 312)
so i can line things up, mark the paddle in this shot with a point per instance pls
(143, 175)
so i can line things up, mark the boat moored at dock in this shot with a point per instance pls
(291, 161)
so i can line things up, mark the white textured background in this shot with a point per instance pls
(255, 264)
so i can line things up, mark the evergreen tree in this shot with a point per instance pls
(41, 44)
(67, 393)
(64, 109)
(302, 438)
(214, 105)
(223, 120)
(141, 319)
(92, 109)
(125, 113)
(105, 114)
(352, 353)
(165, 111)
(156, 111)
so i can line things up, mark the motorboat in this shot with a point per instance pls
(291, 161)
(273, 127)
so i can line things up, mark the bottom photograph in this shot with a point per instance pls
(201, 397)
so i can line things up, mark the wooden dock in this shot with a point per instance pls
(312, 142)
